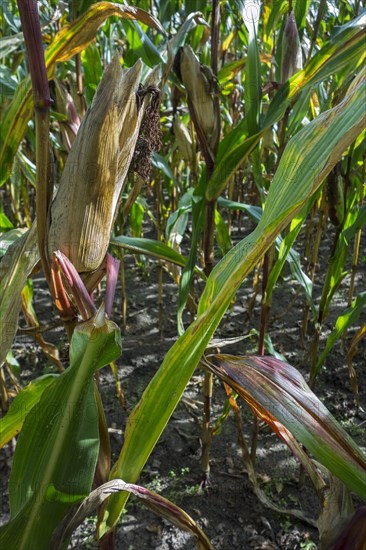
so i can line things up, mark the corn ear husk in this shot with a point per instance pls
(82, 214)
(198, 81)
(291, 61)
(184, 140)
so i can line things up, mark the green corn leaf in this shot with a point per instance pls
(155, 249)
(309, 156)
(141, 45)
(230, 157)
(136, 218)
(347, 318)
(277, 393)
(299, 111)
(177, 221)
(252, 85)
(5, 225)
(360, 221)
(13, 364)
(50, 474)
(254, 212)
(12, 422)
(307, 159)
(162, 164)
(190, 22)
(149, 247)
(301, 8)
(271, 15)
(232, 139)
(184, 206)
(222, 234)
(93, 73)
(10, 43)
(228, 71)
(344, 51)
(27, 167)
(8, 238)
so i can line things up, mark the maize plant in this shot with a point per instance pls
(225, 143)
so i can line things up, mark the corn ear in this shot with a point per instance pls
(199, 83)
(291, 49)
(83, 211)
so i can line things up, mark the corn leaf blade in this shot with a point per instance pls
(308, 158)
(157, 503)
(12, 422)
(298, 177)
(50, 474)
(155, 249)
(273, 388)
(345, 50)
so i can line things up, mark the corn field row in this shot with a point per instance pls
(235, 132)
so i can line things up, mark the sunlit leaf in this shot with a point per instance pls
(298, 177)
(46, 478)
(155, 249)
(344, 50)
(12, 422)
(222, 234)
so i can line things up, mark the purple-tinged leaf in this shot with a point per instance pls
(112, 275)
(354, 535)
(77, 288)
(158, 504)
(277, 393)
